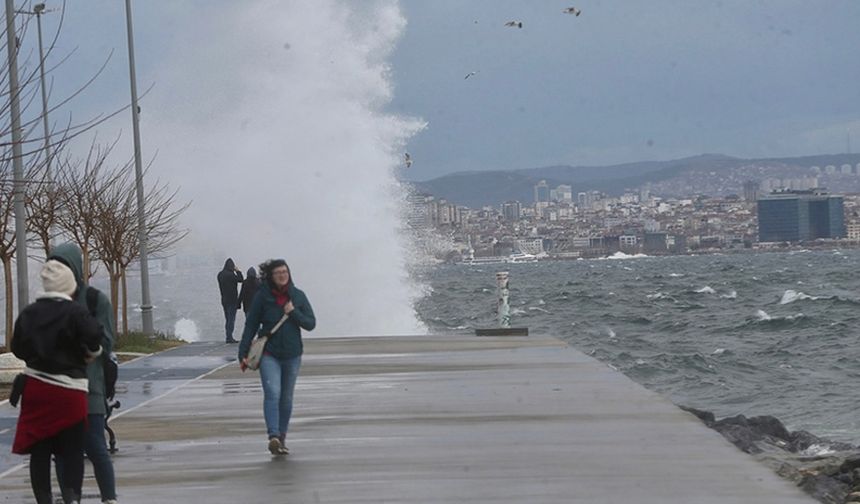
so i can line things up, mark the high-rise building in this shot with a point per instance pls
(800, 215)
(751, 190)
(542, 192)
(511, 210)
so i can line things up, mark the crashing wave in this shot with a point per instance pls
(706, 290)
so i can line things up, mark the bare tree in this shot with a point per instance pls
(7, 242)
(44, 202)
(117, 236)
(41, 194)
(80, 185)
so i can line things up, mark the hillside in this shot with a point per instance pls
(710, 174)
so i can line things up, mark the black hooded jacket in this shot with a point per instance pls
(54, 336)
(249, 287)
(228, 281)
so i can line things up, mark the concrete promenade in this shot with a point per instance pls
(428, 419)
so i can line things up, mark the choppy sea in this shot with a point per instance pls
(752, 334)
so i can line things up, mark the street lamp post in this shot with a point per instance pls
(17, 161)
(145, 303)
(38, 10)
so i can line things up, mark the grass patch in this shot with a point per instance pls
(139, 342)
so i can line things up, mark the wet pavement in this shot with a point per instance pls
(139, 381)
(420, 419)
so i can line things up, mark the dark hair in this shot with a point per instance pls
(268, 266)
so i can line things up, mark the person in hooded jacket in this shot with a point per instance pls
(250, 286)
(282, 357)
(56, 337)
(95, 445)
(229, 279)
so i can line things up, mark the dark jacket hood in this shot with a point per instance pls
(70, 255)
(252, 273)
(229, 265)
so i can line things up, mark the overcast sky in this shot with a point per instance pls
(627, 80)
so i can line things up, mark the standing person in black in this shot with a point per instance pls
(56, 337)
(229, 280)
(249, 288)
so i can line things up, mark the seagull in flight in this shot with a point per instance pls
(572, 10)
(408, 159)
(518, 24)
(470, 74)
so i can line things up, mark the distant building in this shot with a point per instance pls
(800, 215)
(511, 210)
(533, 246)
(420, 210)
(542, 192)
(751, 189)
(563, 193)
(663, 243)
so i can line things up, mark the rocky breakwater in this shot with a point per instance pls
(827, 470)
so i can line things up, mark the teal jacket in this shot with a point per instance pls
(70, 254)
(265, 313)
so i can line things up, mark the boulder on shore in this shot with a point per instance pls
(827, 470)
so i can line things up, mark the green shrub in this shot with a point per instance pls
(139, 342)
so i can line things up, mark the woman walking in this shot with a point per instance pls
(56, 337)
(282, 357)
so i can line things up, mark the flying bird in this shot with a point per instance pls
(518, 24)
(408, 159)
(470, 74)
(573, 10)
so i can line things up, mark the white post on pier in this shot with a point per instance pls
(504, 308)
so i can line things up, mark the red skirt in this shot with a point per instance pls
(46, 410)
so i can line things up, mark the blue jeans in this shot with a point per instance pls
(95, 447)
(279, 381)
(96, 450)
(230, 320)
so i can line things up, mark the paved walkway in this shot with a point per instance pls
(429, 419)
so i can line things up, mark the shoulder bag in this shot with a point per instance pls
(255, 353)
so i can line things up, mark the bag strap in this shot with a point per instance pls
(277, 326)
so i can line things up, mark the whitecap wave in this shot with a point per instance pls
(791, 296)
(731, 295)
(622, 255)
(706, 290)
(763, 316)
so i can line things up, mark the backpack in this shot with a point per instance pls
(111, 368)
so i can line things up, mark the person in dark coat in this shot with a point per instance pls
(282, 357)
(95, 446)
(249, 288)
(229, 280)
(56, 337)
